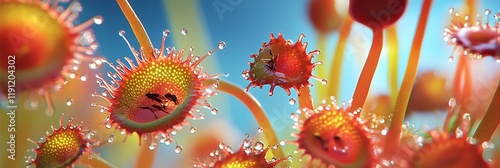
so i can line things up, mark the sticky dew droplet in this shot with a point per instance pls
(222, 45)
(178, 149)
(184, 31)
(111, 138)
(98, 20)
(69, 102)
(292, 101)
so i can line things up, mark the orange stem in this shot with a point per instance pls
(392, 39)
(254, 106)
(466, 91)
(462, 87)
(365, 79)
(136, 25)
(305, 99)
(459, 72)
(336, 69)
(467, 82)
(490, 120)
(393, 136)
(146, 157)
(471, 5)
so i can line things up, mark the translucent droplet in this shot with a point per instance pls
(259, 145)
(168, 141)
(83, 78)
(487, 12)
(248, 150)
(451, 10)
(152, 146)
(246, 143)
(192, 130)
(108, 124)
(498, 60)
(446, 38)
(98, 20)
(173, 132)
(29, 160)
(71, 120)
(292, 101)
(381, 120)
(93, 46)
(324, 81)
(384, 131)
(121, 33)
(452, 102)
(93, 65)
(377, 151)
(42, 139)
(260, 129)
(467, 117)
(166, 32)
(386, 163)
(245, 74)
(471, 140)
(488, 145)
(294, 117)
(450, 59)
(282, 142)
(69, 102)
(184, 31)
(111, 138)
(222, 45)
(178, 149)
(221, 146)
(214, 111)
(459, 133)
(497, 16)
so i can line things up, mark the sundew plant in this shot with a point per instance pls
(249, 84)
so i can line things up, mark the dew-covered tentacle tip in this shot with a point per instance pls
(157, 94)
(64, 146)
(251, 154)
(474, 39)
(334, 136)
(282, 63)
